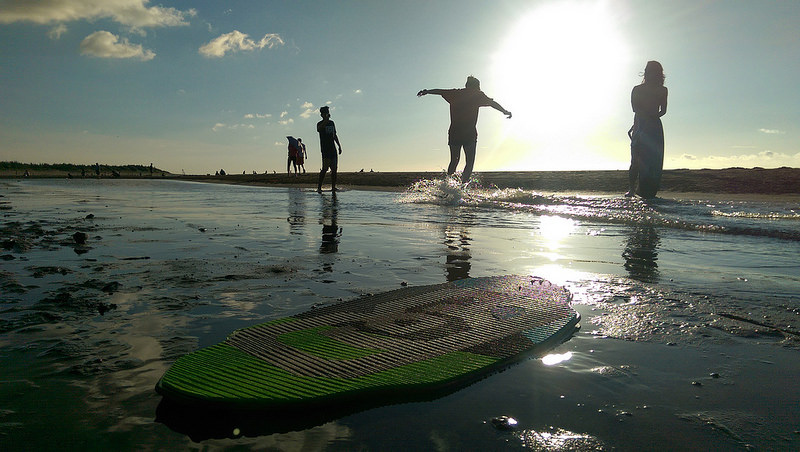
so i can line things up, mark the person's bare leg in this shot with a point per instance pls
(455, 156)
(633, 176)
(321, 178)
(469, 153)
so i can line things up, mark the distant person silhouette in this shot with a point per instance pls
(649, 103)
(294, 150)
(328, 140)
(302, 155)
(464, 105)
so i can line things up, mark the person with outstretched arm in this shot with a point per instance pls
(464, 105)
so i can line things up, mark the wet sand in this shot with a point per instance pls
(88, 328)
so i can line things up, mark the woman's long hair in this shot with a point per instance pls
(653, 73)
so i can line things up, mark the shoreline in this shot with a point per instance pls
(756, 181)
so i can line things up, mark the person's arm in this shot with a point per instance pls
(663, 107)
(500, 108)
(431, 91)
(336, 139)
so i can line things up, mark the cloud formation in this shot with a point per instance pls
(104, 44)
(236, 41)
(56, 32)
(257, 116)
(772, 131)
(220, 125)
(765, 159)
(133, 13)
(308, 110)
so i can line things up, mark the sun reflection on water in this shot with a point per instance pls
(558, 439)
(556, 358)
(555, 229)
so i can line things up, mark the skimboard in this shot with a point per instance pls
(406, 344)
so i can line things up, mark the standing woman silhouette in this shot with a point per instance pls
(649, 103)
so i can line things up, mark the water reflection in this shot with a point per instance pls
(641, 254)
(331, 232)
(457, 242)
(297, 211)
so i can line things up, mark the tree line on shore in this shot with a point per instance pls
(76, 169)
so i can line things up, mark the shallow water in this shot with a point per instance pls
(670, 290)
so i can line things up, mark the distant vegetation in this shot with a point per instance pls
(71, 168)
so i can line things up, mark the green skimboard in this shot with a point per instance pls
(403, 344)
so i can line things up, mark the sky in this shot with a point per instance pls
(198, 85)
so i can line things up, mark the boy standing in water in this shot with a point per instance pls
(327, 139)
(464, 105)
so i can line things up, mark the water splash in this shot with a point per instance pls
(756, 218)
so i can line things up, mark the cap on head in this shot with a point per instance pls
(324, 110)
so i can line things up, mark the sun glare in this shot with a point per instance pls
(565, 64)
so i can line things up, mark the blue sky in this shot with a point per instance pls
(200, 85)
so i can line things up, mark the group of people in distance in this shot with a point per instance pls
(297, 155)
(648, 100)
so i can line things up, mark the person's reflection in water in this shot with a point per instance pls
(297, 211)
(641, 254)
(457, 241)
(331, 232)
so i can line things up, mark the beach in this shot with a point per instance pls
(689, 335)
(776, 181)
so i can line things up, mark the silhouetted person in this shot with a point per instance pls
(464, 105)
(328, 140)
(302, 155)
(649, 103)
(293, 151)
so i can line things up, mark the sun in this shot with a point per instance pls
(565, 63)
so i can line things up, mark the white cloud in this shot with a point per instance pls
(103, 44)
(257, 116)
(221, 125)
(286, 122)
(772, 131)
(236, 41)
(56, 32)
(308, 111)
(764, 159)
(284, 114)
(133, 13)
(358, 91)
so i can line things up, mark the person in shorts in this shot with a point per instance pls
(464, 105)
(301, 155)
(328, 141)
